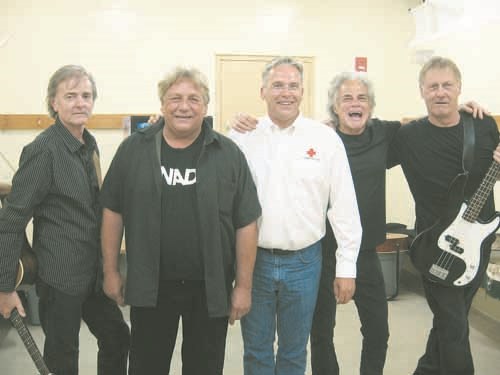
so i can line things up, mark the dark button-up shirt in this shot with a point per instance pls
(226, 199)
(56, 185)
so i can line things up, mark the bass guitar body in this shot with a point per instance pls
(450, 251)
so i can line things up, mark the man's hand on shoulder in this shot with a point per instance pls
(153, 119)
(474, 109)
(243, 123)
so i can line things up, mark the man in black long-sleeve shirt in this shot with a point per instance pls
(57, 184)
(430, 151)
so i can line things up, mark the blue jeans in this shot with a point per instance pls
(284, 294)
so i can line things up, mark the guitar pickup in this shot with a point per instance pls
(457, 249)
(452, 240)
(439, 272)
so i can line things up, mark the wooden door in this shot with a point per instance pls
(238, 82)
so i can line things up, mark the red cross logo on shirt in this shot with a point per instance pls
(311, 152)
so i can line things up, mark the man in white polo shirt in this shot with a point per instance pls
(302, 175)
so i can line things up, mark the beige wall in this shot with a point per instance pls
(128, 45)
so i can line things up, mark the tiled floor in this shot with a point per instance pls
(409, 322)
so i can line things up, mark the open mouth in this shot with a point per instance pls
(355, 114)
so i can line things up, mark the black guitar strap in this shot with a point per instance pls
(469, 141)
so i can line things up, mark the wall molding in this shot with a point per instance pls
(98, 121)
(42, 121)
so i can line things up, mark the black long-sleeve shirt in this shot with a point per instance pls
(57, 186)
(431, 158)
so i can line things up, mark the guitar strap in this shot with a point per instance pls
(469, 141)
(97, 166)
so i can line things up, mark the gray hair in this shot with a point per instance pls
(438, 62)
(180, 73)
(333, 91)
(62, 74)
(282, 60)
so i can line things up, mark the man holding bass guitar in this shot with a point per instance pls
(57, 184)
(452, 247)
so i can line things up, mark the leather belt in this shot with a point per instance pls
(278, 251)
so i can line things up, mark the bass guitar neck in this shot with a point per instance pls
(29, 343)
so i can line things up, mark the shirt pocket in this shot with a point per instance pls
(226, 190)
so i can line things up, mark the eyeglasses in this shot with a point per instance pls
(280, 86)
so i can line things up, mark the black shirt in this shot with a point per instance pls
(431, 157)
(181, 257)
(367, 155)
(56, 185)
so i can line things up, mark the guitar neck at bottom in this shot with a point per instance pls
(29, 343)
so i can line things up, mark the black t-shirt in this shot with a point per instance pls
(367, 155)
(431, 157)
(181, 256)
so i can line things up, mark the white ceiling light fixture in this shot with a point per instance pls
(4, 38)
(439, 18)
(436, 18)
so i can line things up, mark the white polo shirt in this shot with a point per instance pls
(302, 174)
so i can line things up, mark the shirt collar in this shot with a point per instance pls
(273, 128)
(70, 141)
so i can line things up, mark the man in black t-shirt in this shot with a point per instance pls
(351, 101)
(186, 199)
(430, 153)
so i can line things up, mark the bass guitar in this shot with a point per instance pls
(449, 252)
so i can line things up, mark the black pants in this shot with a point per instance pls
(154, 332)
(448, 348)
(60, 317)
(371, 302)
